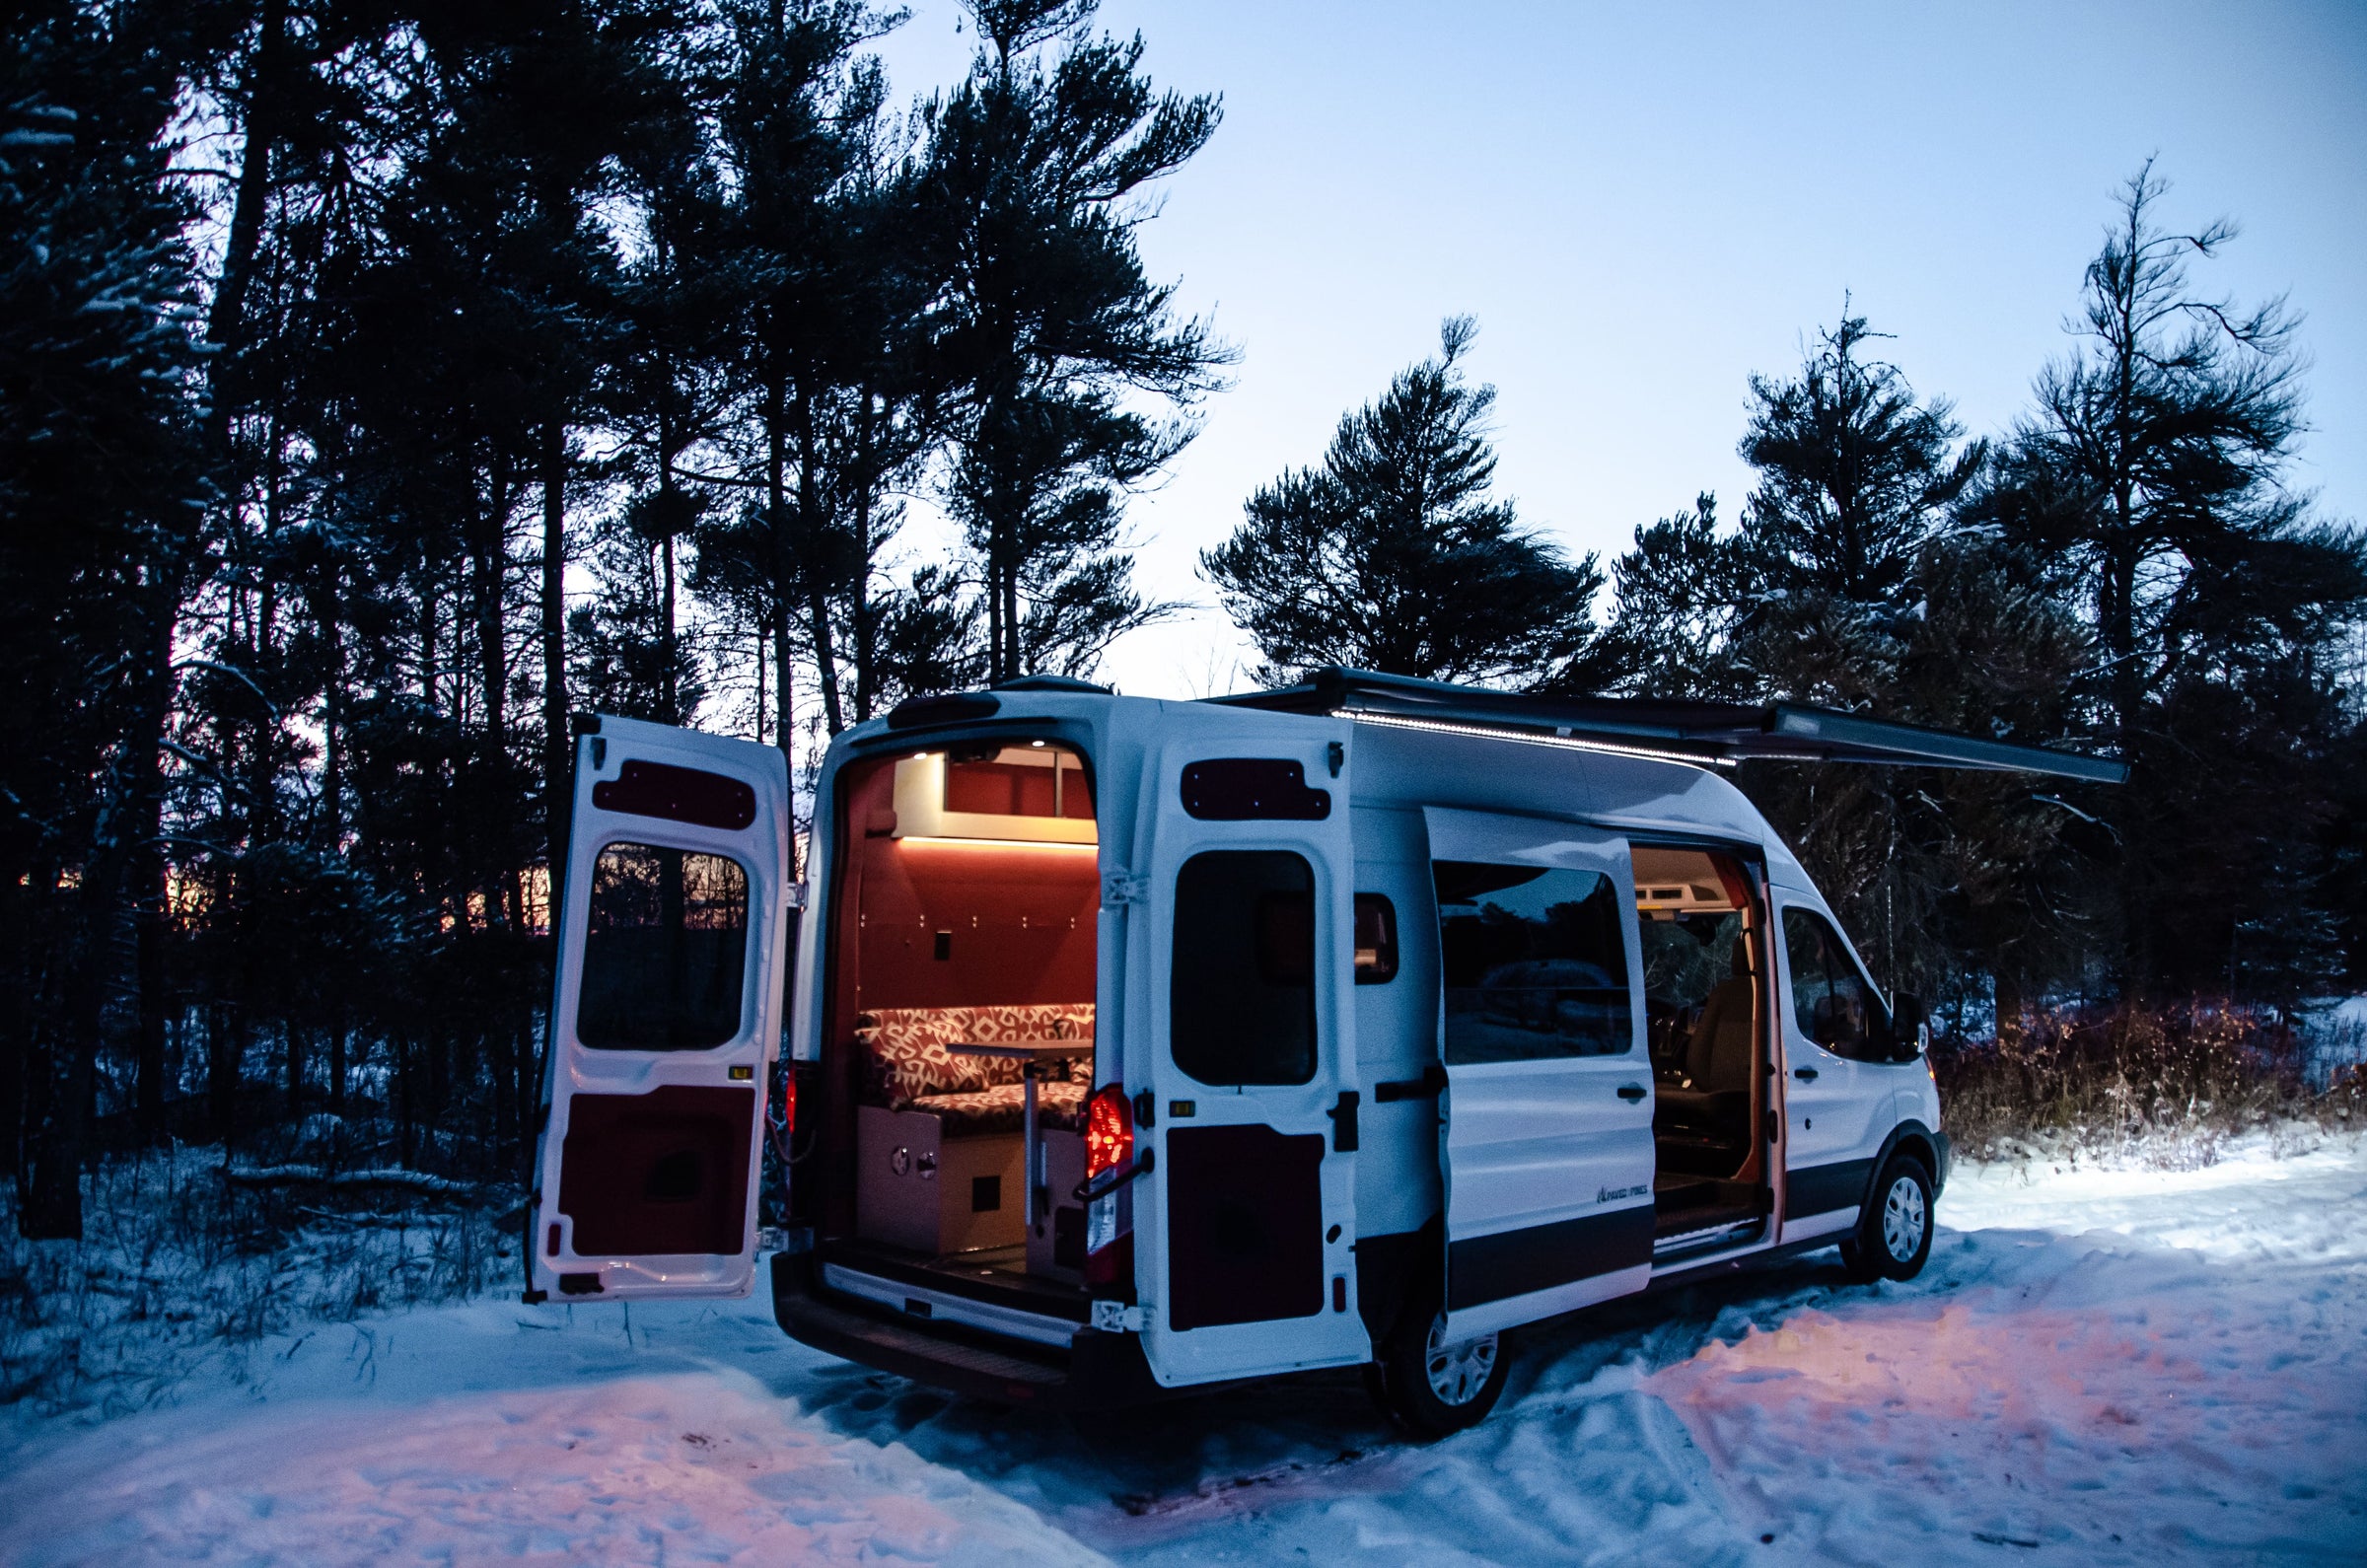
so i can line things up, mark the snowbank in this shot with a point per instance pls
(470, 1434)
(2098, 1366)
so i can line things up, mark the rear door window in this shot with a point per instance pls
(1241, 1003)
(665, 951)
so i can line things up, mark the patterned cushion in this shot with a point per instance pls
(1003, 1108)
(904, 1053)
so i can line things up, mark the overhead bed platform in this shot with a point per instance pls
(1720, 734)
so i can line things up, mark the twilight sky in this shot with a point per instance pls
(1643, 204)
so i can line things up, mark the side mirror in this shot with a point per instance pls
(1910, 1025)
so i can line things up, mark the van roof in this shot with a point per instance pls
(1702, 733)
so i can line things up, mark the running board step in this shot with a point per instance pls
(1705, 1241)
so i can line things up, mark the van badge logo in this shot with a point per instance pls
(1612, 1194)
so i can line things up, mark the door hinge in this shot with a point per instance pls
(1116, 1318)
(1122, 887)
(797, 895)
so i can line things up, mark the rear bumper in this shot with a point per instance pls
(1097, 1370)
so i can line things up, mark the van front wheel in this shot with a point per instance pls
(1894, 1236)
(1431, 1386)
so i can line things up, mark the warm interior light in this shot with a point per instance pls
(1003, 844)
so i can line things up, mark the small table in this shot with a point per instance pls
(1037, 1057)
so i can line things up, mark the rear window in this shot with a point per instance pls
(665, 951)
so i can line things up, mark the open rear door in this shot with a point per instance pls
(672, 938)
(1249, 948)
(1547, 1112)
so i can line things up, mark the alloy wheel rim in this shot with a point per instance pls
(1903, 1219)
(1458, 1371)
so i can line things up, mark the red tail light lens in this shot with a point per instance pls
(1109, 1131)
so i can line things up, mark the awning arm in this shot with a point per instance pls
(1707, 734)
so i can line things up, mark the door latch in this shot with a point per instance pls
(1122, 887)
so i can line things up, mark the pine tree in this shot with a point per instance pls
(102, 504)
(1850, 585)
(1033, 175)
(2156, 465)
(841, 400)
(1394, 555)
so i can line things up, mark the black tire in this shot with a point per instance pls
(1894, 1234)
(1430, 1390)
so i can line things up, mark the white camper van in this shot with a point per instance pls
(1139, 1046)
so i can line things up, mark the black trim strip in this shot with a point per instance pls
(1485, 1268)
(1429, 1086)
(1821, 1188)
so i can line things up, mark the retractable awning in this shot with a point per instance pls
(1705, 733)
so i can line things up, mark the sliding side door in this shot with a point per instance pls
(1547, 1118)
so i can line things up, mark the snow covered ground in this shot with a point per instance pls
(2098, 1367)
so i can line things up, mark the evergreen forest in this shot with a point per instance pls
(381, 384)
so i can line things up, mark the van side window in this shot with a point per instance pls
(665, 951)
(1831, 1001)
(1376, 939)
(1240, 1003)
(1535, 965)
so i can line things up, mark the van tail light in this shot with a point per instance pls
(781, 1120)
(1110, 1218)
(1109, 1131)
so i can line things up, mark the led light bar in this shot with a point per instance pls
(1564, 742)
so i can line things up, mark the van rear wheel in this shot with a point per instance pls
(1433, 1387)
(1893, 1235)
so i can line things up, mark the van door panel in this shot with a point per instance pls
(1837, 1111)
(1244, 1225)
(1397, 1188)
(1245, 1231)
(673, 930)
(1547, 1160)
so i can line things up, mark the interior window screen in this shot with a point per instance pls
(1830, 1000)
(1242, 1004)
(1535, 964)
(665, 951)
